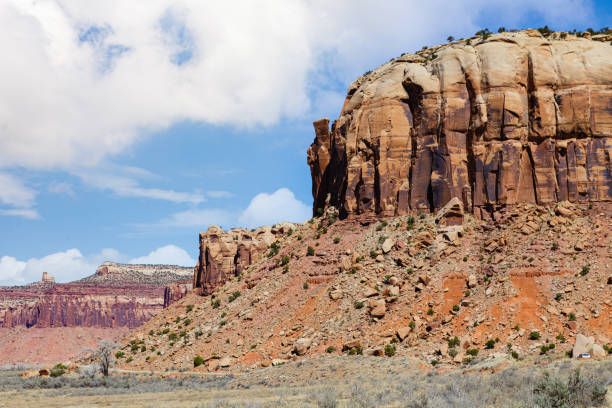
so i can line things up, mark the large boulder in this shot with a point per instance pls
(582, 344)
(302, 345)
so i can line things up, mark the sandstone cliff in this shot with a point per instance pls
(226, 254)
(115, 296)
(515, 118)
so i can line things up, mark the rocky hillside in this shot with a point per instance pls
(525, 285)
(497, 120)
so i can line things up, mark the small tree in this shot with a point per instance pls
(105, 356)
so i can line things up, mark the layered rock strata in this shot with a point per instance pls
(115, 296)
(225, 254)
(515, 118)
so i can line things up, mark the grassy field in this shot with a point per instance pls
(330, 382)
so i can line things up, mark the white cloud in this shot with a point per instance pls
(123, 181)
(166, 255)
(13, 192)
(268, 209)
(194, 218)
(64, 266)
(219, 194)
(83, 80)
(28, 213)
(61, 188)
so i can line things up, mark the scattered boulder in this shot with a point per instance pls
(302, 345)
(610, 280)
(564, 212)
(335, 294)
(597, 351)
(387, 245)
(582, 344)
(451, 213)
(403, 332)
(424, 279)
(378, 308)
(370, 292)
(472, 281)
(225, 362)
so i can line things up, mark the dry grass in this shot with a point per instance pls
(348, 383)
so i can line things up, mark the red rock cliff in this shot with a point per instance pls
(515, 118)
(116, 296)
(225, 254)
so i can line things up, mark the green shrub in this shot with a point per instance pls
(233, 296)
(490, 344)
(389, 350)
(579, 391)
(455, 308)
(143, 349)
(561, 338)
(215, 303)
(274, 248)
(222, 323)
(310, 251)
(172, 336)
(285, 260)
(472, 352)
(330, 349)
(534, 335)
(358, 305)
(305, 285)
(151, 332)
(119, 354)
(129, 360)
(558, 297)
(58, 370)
(198, 361)
(572, 317)
(412, 325)
(189, 308)
(452, 352)
(514, 355)
(187, 322)
(585, 269)
(134, 348)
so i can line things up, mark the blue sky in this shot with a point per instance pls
(127, 128)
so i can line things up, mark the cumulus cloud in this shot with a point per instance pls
(87, 80)
(14, 193)
(64, 266)
(124, 181)
(268, 209)
(166, 255)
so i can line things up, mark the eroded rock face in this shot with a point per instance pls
(517, 118)
(115, 296)
(224, 254)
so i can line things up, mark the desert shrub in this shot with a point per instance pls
(330, 349)
(336, 240)
(373, 254)
(274, 248)
(534, 335)
(380, 226)
(430, 312)
(452, 352)
(215, 303)
(579, 391)
(455, 308)
(585, 269)
(233, 296)
(389, 350)
(143, 349)
(285, 260)
(558, 297)
(58, 370)
(305, 285)
(326, 398)
(490, 344)
(189, 308)
(560, 337)
(572, 317)
(310, 251)
(472, 352)
(358, 305)
(412, 325)
(173, 336)
(198, 361)
(119, 354)
(187, 322)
